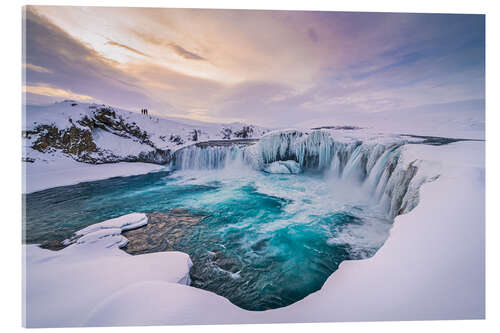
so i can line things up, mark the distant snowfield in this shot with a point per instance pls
(431, 267)
(464, 120)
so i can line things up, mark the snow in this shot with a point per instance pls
(431, 267)
(57, 114)
(465, 119)
(55, 170)
(108, 233)
(118, 145)
(64, 288)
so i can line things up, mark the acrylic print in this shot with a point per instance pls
(197, 166)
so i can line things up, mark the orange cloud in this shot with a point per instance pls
(37, 68)
(46, 90)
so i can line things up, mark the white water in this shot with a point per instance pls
(378, 169)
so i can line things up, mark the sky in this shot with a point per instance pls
(269, 68)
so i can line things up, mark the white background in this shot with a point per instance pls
(10, 152)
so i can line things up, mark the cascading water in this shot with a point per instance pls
(207, 158)
(375, 167)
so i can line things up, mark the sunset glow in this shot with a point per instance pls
(258, 66)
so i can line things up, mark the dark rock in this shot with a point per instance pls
(73, 140)
(195, 134)
(28, 159)
(163, 232)
(52, 245)
(226, 133)
(226, 143)
(437, 140)
(245, 132)
(338, 127)
(176, 139)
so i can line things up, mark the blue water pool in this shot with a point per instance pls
(267, 240)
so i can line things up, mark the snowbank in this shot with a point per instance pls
(61, 171)
(64, 288)
(431, 267)
(108, 233)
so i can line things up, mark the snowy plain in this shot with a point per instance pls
(431, 266)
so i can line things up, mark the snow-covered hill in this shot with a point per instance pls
(97, 134)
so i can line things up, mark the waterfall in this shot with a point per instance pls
(379, 168)
(205, 158)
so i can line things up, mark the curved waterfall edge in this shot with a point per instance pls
(381, 169)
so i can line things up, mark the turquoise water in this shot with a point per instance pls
(268, 240)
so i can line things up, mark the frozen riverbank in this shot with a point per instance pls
(41, 175)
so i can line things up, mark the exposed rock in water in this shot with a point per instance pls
(162, 233)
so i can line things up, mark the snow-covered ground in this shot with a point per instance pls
(52, 171)
(431, 267)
